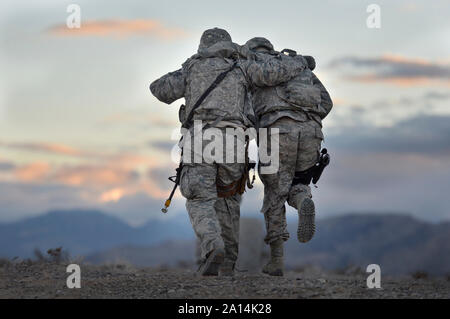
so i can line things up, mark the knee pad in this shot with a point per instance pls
(304, 177)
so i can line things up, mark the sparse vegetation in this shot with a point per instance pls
(55, 255)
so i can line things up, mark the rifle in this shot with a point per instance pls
(175, 179)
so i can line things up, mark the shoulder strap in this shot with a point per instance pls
(216, 82)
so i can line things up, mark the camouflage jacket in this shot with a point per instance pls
(230, 100)
(302, 98)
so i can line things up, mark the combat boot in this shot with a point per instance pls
(210, 266)
(306, 219)
(275, 265)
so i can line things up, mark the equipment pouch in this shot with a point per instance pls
(182, 113)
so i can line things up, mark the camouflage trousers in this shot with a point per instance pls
(215, 220)
(299, 147)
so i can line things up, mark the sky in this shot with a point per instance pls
(79, 127)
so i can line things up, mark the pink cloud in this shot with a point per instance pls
(120, 28)
(53, 148)
(32, 172)
(396, 70)
(107, 178)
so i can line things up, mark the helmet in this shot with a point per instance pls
(259, 43)
(212, 36)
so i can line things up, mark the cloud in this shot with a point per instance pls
(19, 200)
(404, 167)
(108, 179)
(112, 195)
(40, 198)
(165, 146)
(410, 7)
(438, 96)
(124, 158)
(386, 111)
(138, 208)
(401, 168)
(6, 166)
(120, 28)
(32, 172)
(97, 175)
(396, 70)
(164, 122)
(161, 176)
(421, 134)
(392, 182)
(43, 147)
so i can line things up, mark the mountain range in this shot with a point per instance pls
(82, 232)
(400, 244)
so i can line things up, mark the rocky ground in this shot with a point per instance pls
(26, 279)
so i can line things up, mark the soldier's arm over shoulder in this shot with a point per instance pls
(169, 87)
(273, 70)
(326, 103)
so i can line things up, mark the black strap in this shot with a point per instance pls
(216, 82)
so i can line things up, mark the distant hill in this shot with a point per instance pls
(184, 252)
(400, 244)
(83, 232)
(168, 253)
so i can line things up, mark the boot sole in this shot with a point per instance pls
(212, 263)
(306, 221)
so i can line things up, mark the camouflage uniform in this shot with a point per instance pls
(299, 147)
(296, 108)
(216, 220)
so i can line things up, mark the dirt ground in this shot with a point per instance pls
(27, 279)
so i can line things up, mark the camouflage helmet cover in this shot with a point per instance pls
(212, 36)
(259, 42)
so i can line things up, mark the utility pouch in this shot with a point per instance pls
(238, 186)
(323, 162)
(182, 113)
(314, 172)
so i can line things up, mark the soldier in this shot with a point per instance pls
(296, 108)
(213, 190)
